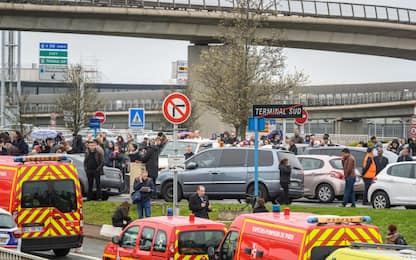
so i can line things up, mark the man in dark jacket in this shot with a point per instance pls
(20, 143)
(348, 164)
(121, 217)
(93, 165)
(292, 146)
(405, 156)
(151, 159)
(199, 203)
(285, 172)
(381, 161)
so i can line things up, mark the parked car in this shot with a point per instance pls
(197, 145)
(111, 182)
(395, 185)
(229, 173)
(324, 177)
(9, 232)
(357, 152)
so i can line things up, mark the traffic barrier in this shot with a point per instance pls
(8, 254)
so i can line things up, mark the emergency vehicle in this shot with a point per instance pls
(9, 233)
(166, 237)
(362, 251)
(292, 236)
(44, 196)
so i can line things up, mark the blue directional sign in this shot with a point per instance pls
(53, 46)
(272, 122)
(136, 117)
(95, 123)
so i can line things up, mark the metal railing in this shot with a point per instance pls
(305, 8)
(7, 254)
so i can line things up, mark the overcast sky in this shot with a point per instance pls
(138, 60)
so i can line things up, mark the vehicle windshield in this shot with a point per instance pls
(6, 221)
(180, 146)
(198, 242)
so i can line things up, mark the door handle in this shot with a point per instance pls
(57, 217)
(214, 173)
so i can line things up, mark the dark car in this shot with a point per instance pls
(357, 152)
(228, 173)
(111, 181)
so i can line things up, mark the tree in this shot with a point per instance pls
(80, 101)
(244, 70)
(16, 114)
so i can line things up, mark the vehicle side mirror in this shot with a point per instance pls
(115, 240)
(191, 166)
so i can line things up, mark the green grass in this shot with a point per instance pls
(100, 213)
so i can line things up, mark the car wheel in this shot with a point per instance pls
(325, 193)
(167, 192)
(262, 191)
(380, 200)
(410, 207)
(61, 252)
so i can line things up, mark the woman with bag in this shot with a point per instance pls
(144, 186)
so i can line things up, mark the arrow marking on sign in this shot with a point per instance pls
(176, 108)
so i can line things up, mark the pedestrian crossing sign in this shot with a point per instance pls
(136, 117)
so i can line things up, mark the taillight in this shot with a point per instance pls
(335, 174)
(17, 233)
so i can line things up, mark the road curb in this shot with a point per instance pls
(93, 231)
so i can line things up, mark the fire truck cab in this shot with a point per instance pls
(44, 196)
(292, 236)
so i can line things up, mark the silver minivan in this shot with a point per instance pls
(228, 173)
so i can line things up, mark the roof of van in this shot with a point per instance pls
(175, 221)
(294, 219)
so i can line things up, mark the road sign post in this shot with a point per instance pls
(95, 124)
(256, 124)
(176, 109)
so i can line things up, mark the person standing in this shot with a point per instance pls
(20, 143)
(285, 172)
(93, 165)
(199, 203)
(151, 159)
(348, 164)
(145, 186)
(189, 152)
(297, 138)
(381, 161)
(405, 155)
(292, 147)
(368, 173)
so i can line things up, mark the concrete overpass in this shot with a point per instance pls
(198, 23)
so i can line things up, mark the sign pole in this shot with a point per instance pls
(284, 131)
(175, 175)
(256, 157)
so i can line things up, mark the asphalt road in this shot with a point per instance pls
(91, 250)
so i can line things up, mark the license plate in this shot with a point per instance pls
(294, 184)
(4, 240)
(32, 229)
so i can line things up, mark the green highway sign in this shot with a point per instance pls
(44, 53)
(53, 61)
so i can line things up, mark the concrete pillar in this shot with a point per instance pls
(348, 127)
(203, 117)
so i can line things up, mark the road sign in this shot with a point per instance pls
(136, 118)
(101, 116)
(261, 124)
(272, 122)
(68, 116)
(303, 119)
(176, 161)
(176, 108)
(95, 123)
(53, 72)
(53, 46)
(278, 111)
(412, 131)
(53, 61)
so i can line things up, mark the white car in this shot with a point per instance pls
(197, 145)
(9, 232)
(395, 185)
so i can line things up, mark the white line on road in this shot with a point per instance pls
(85, 256)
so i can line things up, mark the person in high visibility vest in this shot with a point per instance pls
(369, 172)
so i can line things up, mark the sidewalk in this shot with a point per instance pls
(93, 231)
